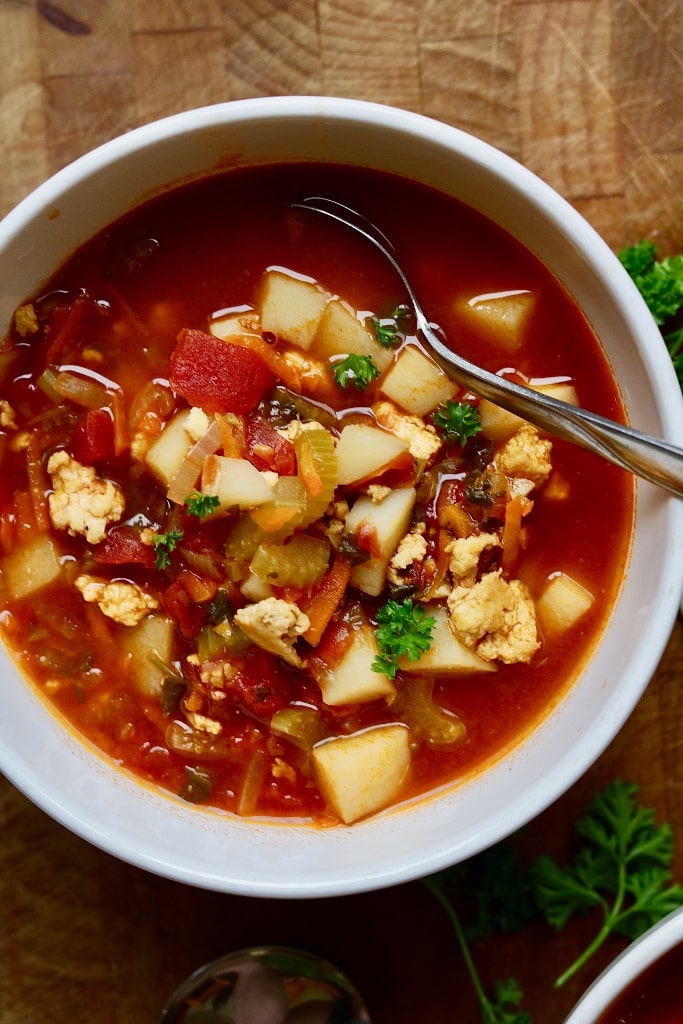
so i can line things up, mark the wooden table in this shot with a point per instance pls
(588, 94)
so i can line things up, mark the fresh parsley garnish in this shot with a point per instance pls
(403, 628)
(458, 421)
(164, 544)
(660, 282)
(200, 505)
(356, 371)
(389, 331)
(622, 869)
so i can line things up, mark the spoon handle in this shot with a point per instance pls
(648, 457)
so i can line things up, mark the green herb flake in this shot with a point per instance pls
(198, 786)
(390, 331)
(164, 544)
(355, 371)
(458, 421)
(403, 629)
(201, 505)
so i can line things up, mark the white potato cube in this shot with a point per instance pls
(416, 383)
(361, 773)
(500, 425)
(30, 567)
(384, 522)
(340, 332)
(447, 655)
(291, 308)
(352, 680)
(364, 451)
(235, 482)
(167, 453)
(152, 636)
(245, 323)
(563, 602)
(502, 317)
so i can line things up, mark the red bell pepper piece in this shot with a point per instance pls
(217, 375)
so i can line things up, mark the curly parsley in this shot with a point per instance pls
(390, 331)
(164, 544)
(403, 628)
(458, 421)
(356, 371)
(200, 505)
(660, 282)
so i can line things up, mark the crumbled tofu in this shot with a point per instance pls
(526, 455)
(196, 424)
(411, 549)
(378, 492)
(282, 770)
(82, 502)
(202, 723)
(26, 320)
(295, 428)
(464, 555)
(119, 600)
(275, 625)
(7, 416)
(495, 618)
(421, 438)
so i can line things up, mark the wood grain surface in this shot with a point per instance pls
(586, 93)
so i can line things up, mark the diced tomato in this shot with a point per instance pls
(189, 616)
(268, 449)
(217, 375)
(262, 685)
(122, 546)
(93, 439)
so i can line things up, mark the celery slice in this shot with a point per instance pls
(299, 563)
(415, 706)
(317, 469)
(303, 727)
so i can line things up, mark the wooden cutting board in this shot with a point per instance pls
(586, 93)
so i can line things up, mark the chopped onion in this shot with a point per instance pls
(185, 479)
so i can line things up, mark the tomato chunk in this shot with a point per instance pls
(122, 546)
(217, 375)
(268, 449)
(93, 439)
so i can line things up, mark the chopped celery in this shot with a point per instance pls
(435, 726)
(299, 562)
(234, 640)
(303, 727)
(317, 469)
(241, 542)
(279, 517)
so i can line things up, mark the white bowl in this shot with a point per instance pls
(77, 786)
(642, 954)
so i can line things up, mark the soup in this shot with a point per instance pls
(256, 546)
(653, 997)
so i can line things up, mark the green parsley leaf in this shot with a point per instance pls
(389, 331)
(623, 869)
(457, 420)
(403, 628)
(164, 544)
(660, 282)
(200, 505)
(355, 370)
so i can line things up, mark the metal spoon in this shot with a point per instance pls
(648, 457)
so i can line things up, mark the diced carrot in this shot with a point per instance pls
(513, 540)
(233, 435)
(121, 435)
(38, 482)
(321, 606)
(67, 329)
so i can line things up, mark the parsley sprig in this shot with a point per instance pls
(623, 869)
(355, 371)
(403, 628)
(200, 505)
(660, 282)
(458, 421)
(164, 544)
(390, 331)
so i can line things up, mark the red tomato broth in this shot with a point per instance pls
(169, 266)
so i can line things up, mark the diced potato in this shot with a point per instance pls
(235, 482)
(291, 308)
(236, 323)
(416, 383)
(352, 680)
(447, 654)
(501, 317)
(31, 567)
(340, 332)
(563, 602)
(385, 523)
(255, 589)
(167, 453)
(364, 451)
(500, 425)
(152, 636)
(361, 773)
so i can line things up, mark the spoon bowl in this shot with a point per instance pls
(651, 458)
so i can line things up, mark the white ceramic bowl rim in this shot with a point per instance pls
(627, 967)
(74, 785)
